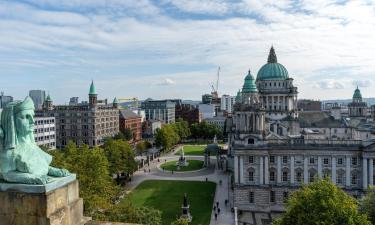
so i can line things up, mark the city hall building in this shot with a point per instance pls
(270, 155)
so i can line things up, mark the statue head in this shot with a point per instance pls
(17, 123)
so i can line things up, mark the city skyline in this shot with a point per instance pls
(171, 49)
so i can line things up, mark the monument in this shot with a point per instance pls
(185, 210)
(31, 191)
(182, 160)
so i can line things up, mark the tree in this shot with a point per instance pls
(321, 203)
(128, 134)
(91, 166)
(120, 157)
(367, 204)
(125, 212)
(166, 137)
(180, 222)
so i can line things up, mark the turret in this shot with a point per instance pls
(115, 103)
(249, 90)
(48, 104)
(93, 97)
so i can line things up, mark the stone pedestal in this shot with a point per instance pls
(56, 203)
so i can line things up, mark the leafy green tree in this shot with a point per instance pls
(205, 130)
(120, 157)
(125, 212)
(91, 166)
(180, 222)
(367, 204)
(166, 137)
(321, 203)
(181, 127)
(128, 134)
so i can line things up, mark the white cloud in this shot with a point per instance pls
(166, 82)
(82, 36)
(329, 84)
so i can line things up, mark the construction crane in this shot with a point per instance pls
(133, 99)
(215, 87)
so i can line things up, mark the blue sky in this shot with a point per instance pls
(172, 48)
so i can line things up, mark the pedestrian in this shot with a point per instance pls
(218, 210)
(149, 170)
(220, 182)
(215, 216)
(214, 208)
(226, 202)
(217, 204)
(206, 179)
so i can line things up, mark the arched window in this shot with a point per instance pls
(299, 173)
(326, 173)
(340, 178)
(312, 175)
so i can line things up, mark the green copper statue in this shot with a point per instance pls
(21, 160)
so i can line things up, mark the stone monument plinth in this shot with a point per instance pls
(54, 203)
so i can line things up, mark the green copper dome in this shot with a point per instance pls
(249, 85)
(357, 93)
(115, 101)
(92, 89)
(272, 70)
(48, 98)
(238, 97)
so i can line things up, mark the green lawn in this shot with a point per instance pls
(193, 150)
(167, 196)
(193, 165)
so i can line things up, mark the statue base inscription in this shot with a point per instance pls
(56, 203)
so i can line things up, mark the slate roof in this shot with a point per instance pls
(127, 114)
(309, 119)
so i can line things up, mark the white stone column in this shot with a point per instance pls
(236, 171)
(320, 169)
(266, 169)
(333, 170)
(364, 173)
(292, 170)
(371, 172)
(261, 170)
(347, 171)
(278, 174)
(305, 171)
(241, 170)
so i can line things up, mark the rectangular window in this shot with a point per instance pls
(285, 159)
(325, 161)
(272, 159)
(251, 159)
(299, 177)
(251, 176)
(272, 176)
(285, 176)
(339, 161)
(354, 161)
(272, 196)
(354, 179)
(251, 197)
(285, 196)
(312, 160)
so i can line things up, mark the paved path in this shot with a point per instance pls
(225, 217)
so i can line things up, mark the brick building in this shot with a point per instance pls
(132, 121)
(188, 113)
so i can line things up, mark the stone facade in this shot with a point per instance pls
(86, 123)
(61, 206)
(274, 152)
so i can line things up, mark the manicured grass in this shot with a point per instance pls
(192, 150)
(193, 165)
(167, 196)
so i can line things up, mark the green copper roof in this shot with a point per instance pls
(357, 93)
(238, 97)
(272, 70)
(115, 101)
(48, 98)
(249, 85)
(92, 89)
